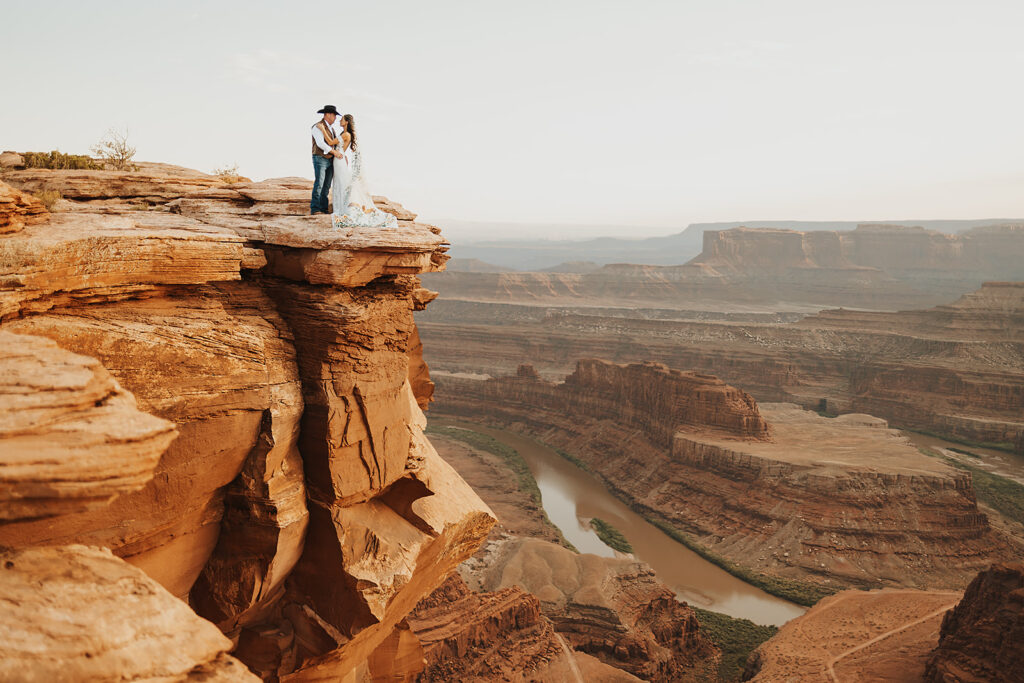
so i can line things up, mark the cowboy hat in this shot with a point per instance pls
(328, 109)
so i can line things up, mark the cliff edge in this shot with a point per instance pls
(240, 389)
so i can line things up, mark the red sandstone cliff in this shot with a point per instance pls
(300, 507)
(982, 638)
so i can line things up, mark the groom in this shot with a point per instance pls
(324, 140)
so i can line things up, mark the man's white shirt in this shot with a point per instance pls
(318, 136)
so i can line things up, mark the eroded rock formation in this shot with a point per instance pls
(613, 609)
(954, 370)
(18, 209)
(982, 638)
(772, 488)
(300, 507)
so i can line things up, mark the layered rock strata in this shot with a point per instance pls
(954, 370)
(73, 439)
(772, 488)
(876, 266)
(612, 609)
(300, 507)
(982, 638)
(18, 209)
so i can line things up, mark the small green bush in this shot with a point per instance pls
(610, 536)
(736, 638)
(49, 198)
(59, 160)
(1002, 494)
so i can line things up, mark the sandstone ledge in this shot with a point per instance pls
(76, 613)
(72, 438)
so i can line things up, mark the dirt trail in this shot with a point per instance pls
(571, 658)
(931, 615)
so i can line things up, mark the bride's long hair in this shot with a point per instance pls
(350, 126)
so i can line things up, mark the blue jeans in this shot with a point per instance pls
(323, 175)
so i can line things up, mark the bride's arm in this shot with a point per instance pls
(346, 139)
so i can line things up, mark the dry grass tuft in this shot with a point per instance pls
(49, 198)
(229, 174)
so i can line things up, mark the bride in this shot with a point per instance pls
(353, 204)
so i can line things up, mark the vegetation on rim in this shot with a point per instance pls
(610, 536)
(49, 198)
(736, 638)
(59, 160)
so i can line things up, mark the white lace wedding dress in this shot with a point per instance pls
(355, 208)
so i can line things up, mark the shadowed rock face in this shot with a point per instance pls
(300, 507)
(773, 488)
(981, 638)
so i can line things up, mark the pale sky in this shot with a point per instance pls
(653, 114)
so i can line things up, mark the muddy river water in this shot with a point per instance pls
(572, 497)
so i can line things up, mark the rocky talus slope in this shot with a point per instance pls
(502, 635)
(232, 393)
(612, 609)
(774, 489)
(956, 369)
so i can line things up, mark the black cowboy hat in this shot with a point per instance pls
(328, 109)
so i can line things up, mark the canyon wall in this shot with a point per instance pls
(774, 489)
(981, 638)
(300, 507)
(956, 369)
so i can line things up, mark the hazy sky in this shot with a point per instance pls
(585, 112)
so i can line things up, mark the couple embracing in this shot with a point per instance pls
(338, 169)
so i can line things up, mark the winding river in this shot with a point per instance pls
(572, 497)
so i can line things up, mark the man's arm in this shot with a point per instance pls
(318, 138)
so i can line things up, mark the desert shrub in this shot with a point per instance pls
(1004, 495)
(610, 536)
(49, 198)
(115, 151)
(736, 638)
(229, 174)
(59, 160)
